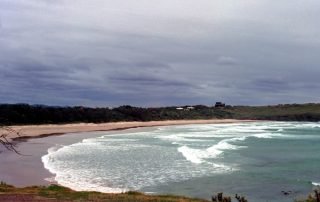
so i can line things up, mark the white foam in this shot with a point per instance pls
(55, 148)
(175, 138)
(222, 167)
(192, 155)
(208, 134)
(222, 145)
(243, 138)
(267, 135)
(307, 125)
(78, 185)
(50, 179)
(83, 179)
(263, 135)
(202, 147)
(181, 138)
(47, 159)
(198, 156)
(108, 140)
(316, 183)
(237, 130)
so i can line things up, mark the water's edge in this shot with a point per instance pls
(195, 155)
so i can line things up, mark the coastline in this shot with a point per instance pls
(39, 131)
(22, 171)
(35, 140)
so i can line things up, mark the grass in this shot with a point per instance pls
(56, 192)
(287, 112)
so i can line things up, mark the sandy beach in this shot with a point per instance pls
(35, 140)
(32, 131)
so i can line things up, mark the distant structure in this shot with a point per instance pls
(220, 104)
(190, 108)
(187, 108)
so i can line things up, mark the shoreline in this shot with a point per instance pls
(41, 131)
(35, 140)
(29, 170)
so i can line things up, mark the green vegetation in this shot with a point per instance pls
(59, 193)
(24, 114)
(53, 193)
(287, 112)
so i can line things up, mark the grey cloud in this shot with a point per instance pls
(271, 85)
(112, 53)
(150, 82)
(226, 60)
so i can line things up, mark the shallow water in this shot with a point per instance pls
(258, 160)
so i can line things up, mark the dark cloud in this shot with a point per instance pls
(123, 52)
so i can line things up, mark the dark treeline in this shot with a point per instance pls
(38, 114)
(24, 114)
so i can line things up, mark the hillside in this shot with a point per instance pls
(24, 114)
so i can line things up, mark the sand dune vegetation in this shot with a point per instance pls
(55, 193)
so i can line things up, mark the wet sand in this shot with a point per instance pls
(35, 140)
(27, 169)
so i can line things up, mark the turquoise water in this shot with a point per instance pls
(258, 160)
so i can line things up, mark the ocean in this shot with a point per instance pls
(259, 160)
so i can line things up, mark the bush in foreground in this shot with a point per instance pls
(54, 193)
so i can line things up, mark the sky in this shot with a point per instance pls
(158, 53)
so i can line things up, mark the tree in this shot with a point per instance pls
(5, 133)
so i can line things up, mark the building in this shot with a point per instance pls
(220, 104)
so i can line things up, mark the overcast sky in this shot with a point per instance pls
(157, 53)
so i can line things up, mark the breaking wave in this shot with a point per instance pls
(316, 184)
(135, 160)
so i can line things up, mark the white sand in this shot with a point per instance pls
(54, 129)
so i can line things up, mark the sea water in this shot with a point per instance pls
(259, 160)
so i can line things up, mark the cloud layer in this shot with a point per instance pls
(155, 53)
